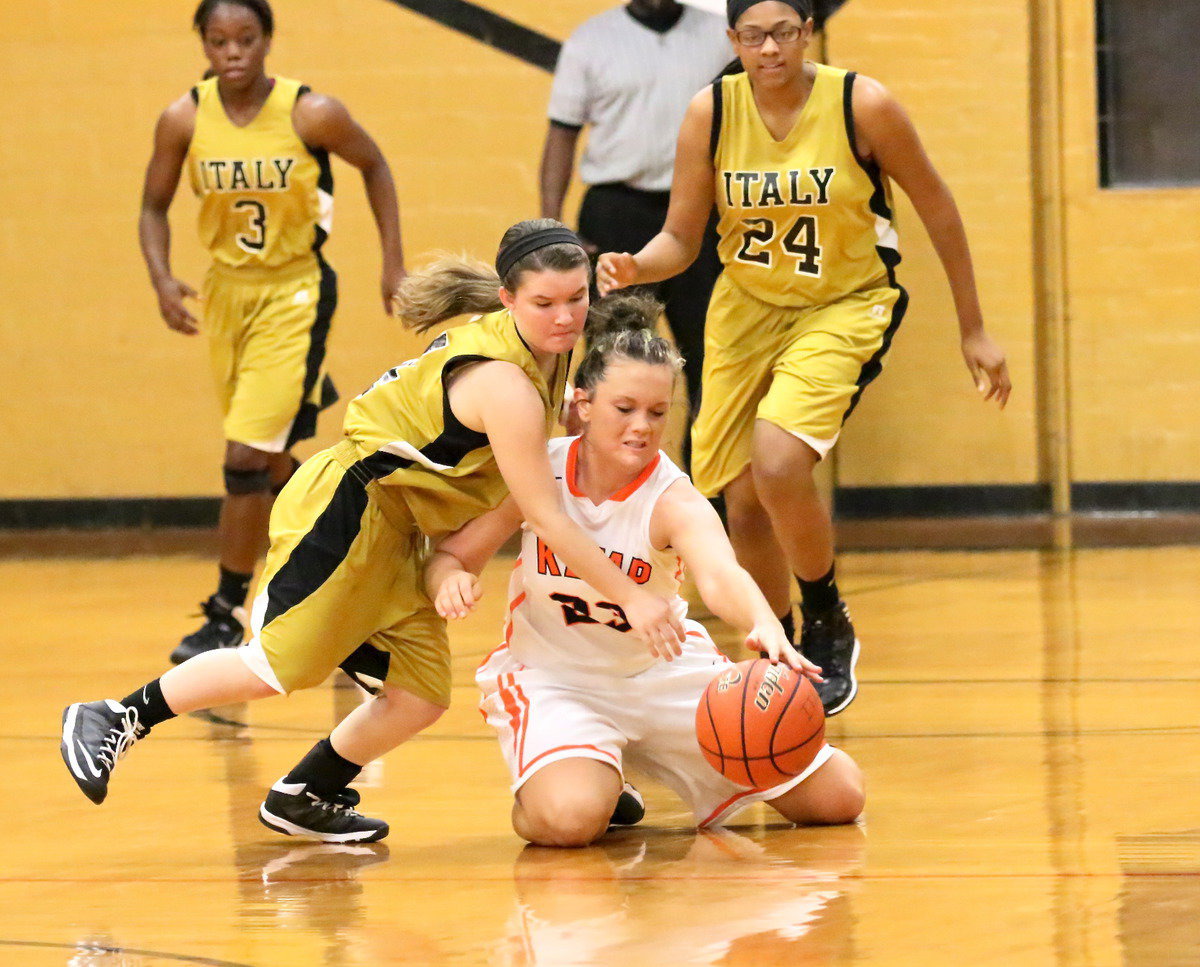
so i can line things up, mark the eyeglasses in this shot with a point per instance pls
(753, 37)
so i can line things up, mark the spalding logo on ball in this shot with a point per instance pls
(760, 723)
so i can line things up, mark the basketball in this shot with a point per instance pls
(760, 723)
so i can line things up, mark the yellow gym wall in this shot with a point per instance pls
(961, 71)
(1133, 289)
(103, 401)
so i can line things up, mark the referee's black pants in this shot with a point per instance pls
(617, 218)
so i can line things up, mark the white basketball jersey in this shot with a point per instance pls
(558, 621)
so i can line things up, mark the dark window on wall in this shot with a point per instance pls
(1148, 75)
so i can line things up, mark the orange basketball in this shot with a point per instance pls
(759, 723)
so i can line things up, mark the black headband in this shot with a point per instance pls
(506, 258)
(735, 8)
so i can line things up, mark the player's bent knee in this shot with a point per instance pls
(775, 473)
(417, 712)
(565, 818)
(843, 804)
(831, 796)
(240, 483)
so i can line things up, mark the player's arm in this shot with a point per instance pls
(452, 574)
(324, 122)
(674, 248)
(515, 432)
(558, 163)
(172, 136)
(885, 134)
(684, 520)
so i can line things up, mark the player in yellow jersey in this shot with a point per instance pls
(256, 149)
(433, 443)
(798, 158)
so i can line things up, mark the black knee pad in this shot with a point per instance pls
(241, 482)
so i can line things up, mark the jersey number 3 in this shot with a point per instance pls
(254, 240)
(800, 242)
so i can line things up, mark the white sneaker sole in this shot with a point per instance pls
(291, 829)
(829, 712)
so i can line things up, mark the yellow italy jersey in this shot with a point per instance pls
(406, 437)
(803, 221)
(266, 198)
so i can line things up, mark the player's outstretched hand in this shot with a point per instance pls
(770, 640)
(985, 359)
(171, 293)
(615, 270)
(653, 620)
(460, 591)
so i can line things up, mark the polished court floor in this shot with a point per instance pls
(1029, 724)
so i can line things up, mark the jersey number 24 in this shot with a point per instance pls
(799, 241)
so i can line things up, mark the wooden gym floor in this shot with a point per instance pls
(1028, 724)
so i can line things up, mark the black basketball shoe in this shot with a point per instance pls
(222, 628)
(630, 809)
(294, 811)
(828, 639)
(94, 736)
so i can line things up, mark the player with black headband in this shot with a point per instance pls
(435, 442)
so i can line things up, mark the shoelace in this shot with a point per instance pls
(120, 738)
(334, 807)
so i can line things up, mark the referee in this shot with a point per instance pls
(627, 75)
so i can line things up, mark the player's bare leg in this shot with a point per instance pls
(246, 507)
(829, 797)
(252, 479)
(754, 543)
(783, 480)
(380, 724)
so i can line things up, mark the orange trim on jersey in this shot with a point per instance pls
(508, 625)
(727, 804)
(624, 493)
(630, 488)
(563, 748)
(572, 461)
(524, 700)
(491, 654)
(510, 707)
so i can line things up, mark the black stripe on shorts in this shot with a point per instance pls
(874, 366)
(321, 550)
(305, 424)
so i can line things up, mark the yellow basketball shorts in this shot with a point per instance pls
(803, 370)
(266, 333)
(343, 585)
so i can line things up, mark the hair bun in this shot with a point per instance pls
(622, 312)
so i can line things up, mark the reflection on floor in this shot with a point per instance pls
(1027, 724)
